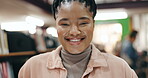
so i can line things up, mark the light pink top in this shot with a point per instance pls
(101, 65)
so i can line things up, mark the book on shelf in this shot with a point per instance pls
(0, 70)
(38, 37)
(0, 41)
(6, 70)
(3, 42)
(10, 70)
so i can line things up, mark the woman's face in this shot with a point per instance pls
(75, 26)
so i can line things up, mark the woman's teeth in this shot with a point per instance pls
(74, 40)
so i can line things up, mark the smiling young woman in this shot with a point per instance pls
(75, 26)
(77, 57)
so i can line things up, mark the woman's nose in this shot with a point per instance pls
(74, 31)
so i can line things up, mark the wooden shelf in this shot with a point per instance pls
(18, 54)
(23, 53)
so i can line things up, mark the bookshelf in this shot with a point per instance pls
(13, 62)
(16, 48)
(21, 55)
(17, 59)
(16, 56)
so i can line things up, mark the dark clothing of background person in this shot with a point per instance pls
(130, 52)
(18, 41)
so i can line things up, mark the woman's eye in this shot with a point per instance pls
(64, 24)
(84, 23)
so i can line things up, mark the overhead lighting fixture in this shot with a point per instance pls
(111, 14)
(34, 21)
(17, 26)
(32, 31)
(52, 31)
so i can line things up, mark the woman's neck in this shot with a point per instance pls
(74, 58)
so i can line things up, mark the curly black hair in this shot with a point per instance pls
(88, 3)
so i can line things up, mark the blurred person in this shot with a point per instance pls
(117, 48)
(76, 57)
(142, 65)
(128, 52)
(51, 42)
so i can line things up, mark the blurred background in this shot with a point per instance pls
(28, 25)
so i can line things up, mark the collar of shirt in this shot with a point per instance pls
(97, 59)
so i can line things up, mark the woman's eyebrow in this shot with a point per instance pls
(82, 18)
(64, 19)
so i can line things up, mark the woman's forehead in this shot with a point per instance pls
(70, 5)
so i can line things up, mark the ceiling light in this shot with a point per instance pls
(52, 31)
(35, 21)
(17, 26)
(111, 14)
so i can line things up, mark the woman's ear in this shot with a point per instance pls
(93, 21)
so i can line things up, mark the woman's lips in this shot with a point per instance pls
(74, 41)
